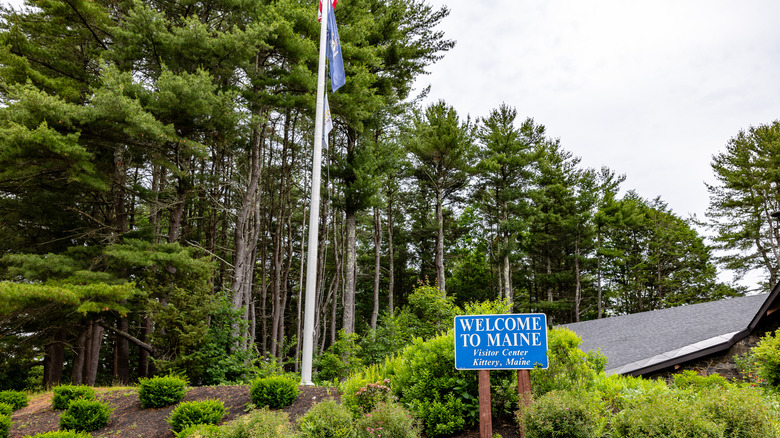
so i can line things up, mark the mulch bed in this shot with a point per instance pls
(130, 420)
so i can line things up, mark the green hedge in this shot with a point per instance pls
(196, 412)
(161, 391)
(17, 399)
(85, 415)
(64, 394)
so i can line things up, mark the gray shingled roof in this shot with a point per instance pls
(633, 343)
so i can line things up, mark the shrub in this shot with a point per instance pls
(6, 409)
(326, 419)
(5, 425)
(389, 420)
(766, 355)
(367, 397)
(63, 395)
(689, 379)
(442, 418)
(85, 415)
(161, 391)
(261, 423)
(275, 392)
(662, 417)
(425, 379)
(561, 414)
(63, 434)
(196, 412)
(17, 399)
(340, 360)
(743, 412)
(200, 431)
(569, 367)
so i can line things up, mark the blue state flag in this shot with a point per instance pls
(337, 75)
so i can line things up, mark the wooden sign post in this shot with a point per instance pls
(500, 342)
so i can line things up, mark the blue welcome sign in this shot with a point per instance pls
(513, 341)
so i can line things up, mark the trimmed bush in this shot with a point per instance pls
(326, 419)
(63, 434)
(6, 409)
(85, 415)
(261, 423)
(63, 395)
(275, 392)
(161, 391)
(389, 420)
(663, 417)
(17, 399)
(5, 425)
(196, 412)
(561, 414)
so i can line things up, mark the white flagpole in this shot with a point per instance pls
(314, 211)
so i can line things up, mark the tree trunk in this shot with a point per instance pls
(348, 323)
(94, 343)
(390, 255)
(77, 373)
(377, 264)
(54, 359)
(578, 286)
(598, 273)
(440, 241)
(122, 354)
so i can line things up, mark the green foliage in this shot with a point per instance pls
(369, 396)
(161, 391)
(766, 355)
(196, 412)
(662, 417)
(85, 415)
(568, 366)
(690, 379)
(562, 414)
(63, 434)
(220, 359)
(326, 419)
(389, 420)
(260, 423)
(442, 417)
(340, 359)
(6, 409)
(349, 388)
(391, 335)
(429, 311)
(275, 392)
(426, 380)
(17, 399)
(5, 425)
(63, 395)
(618, 391)
(200, 431)
(743, 412)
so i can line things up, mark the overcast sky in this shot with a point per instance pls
(650, 89)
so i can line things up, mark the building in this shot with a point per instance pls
(704, 337)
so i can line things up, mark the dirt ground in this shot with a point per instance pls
(130, 420)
